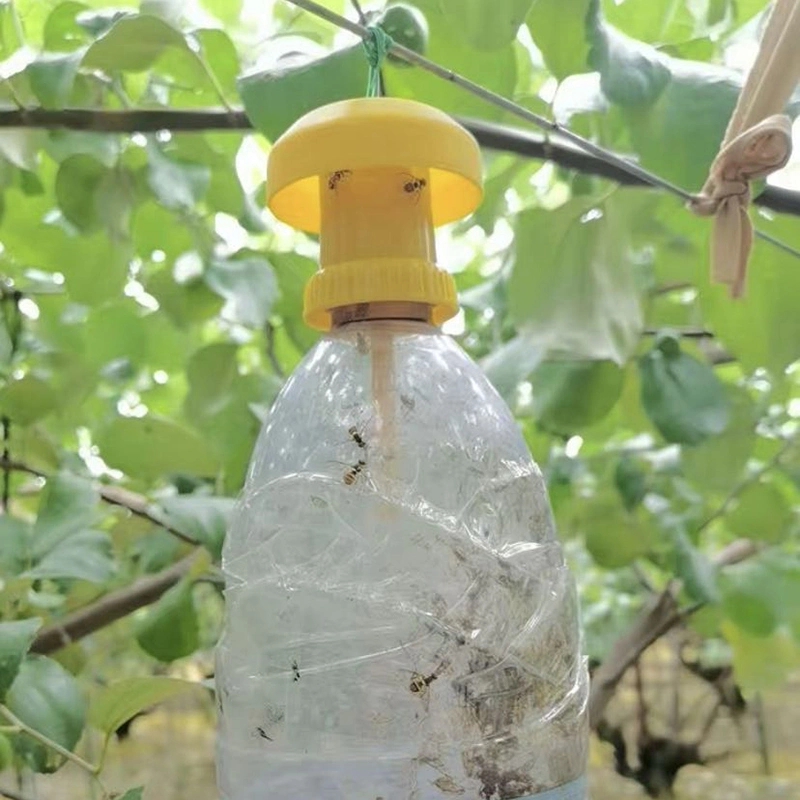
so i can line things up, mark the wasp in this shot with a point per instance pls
(295, 671)
(263, 734)
(414, 186)
(419, 683)
(357, 437)
(354, 471)
(336, 177)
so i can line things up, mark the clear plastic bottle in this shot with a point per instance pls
(400, 622)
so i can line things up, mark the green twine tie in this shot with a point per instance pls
(376, 47)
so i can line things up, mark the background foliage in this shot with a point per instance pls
(151, 312)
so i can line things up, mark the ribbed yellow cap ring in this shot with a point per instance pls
(379, 280)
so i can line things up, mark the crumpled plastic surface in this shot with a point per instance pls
(400, 623)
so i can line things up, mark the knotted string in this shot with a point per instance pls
(376, 46)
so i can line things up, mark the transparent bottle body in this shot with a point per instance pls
(400, 623)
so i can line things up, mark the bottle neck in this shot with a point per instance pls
(362, 312)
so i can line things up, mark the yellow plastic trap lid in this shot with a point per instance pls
(373, 132)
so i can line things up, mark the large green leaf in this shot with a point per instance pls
(558, 27)
(676, 109)
(496, 70)
(48, 699)
(277, 97)
(248, 286)
(210, 373)
(569, 395)
(718, 462)
(204, 518)
(68, 507)
(615, 537)
(177, 184)
(15, 639)
(116, 703)
(683, 397)
(693, 567)
(170, 629)
(135, 43)
(761, 663)
(27, 399)
(51, 77)
(572, 290)
(486, 26)
(85, 555)
(150, 447)
(761, 512)
(14, 542)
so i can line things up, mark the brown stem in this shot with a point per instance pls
(115, 495)
(490, 135)
(110, 607)
(6, 422)
(644, 733)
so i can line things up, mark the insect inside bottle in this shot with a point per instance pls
(352, 474)
(419, 683)
(356, 436)
(335, 178)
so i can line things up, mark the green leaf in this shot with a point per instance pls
(248, 286)
(631, 481)
(184, 303)
(227, 11)
(496, 70)
(116, 331)
(51, 77)
(558, 28)
(15, 639)
(204, 518)
(170, 629)
(68, 506)
(76, 189)
(133, 794)
(61, 31)
(761, 663)
(580, 300)
(150, 447)
(48, 699)
(676, 109)
(511, 363)
(292, 271)
(85, 556)
(118, 702)
(762, 513)
(276, 98)
(21, 146)
(762, 328)
(27, 399)
(683, 398)
(718, 462)
(693, 568)
(14, 539)
(134, 44)
(614, 537)
(631, 73)
(570, 395)
(210, 373)
(486, 26)
(177, 184)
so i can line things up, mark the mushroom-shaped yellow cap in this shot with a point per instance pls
(373, 176)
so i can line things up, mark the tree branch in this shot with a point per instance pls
(490, 135)
(110, 607)
(114, 495)
(659, 616)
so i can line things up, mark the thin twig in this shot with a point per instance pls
(114, 495)
(754, 477)
(6, 423)
(47, 742)
(362, 17)
(110, 607)
(269, 333)
(547, 125)
(641, 705)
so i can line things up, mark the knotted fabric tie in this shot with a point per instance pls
(757, 142)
